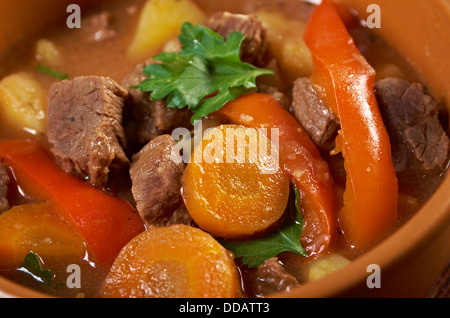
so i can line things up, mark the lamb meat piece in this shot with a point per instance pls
(98, 28)
(319, 122)
(269, 278)
(156, 184)
(146, 119)
(4, 186)
(254, 46)
(85, 127)
(419, 143)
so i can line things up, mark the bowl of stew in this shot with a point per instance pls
(190, 148)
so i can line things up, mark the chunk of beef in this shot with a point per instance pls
(254, 46)
(4, 186)
(418, 141)
(269, 278)
(320, 122)
(156, 184)
(85, 127)
(147, 119)
(98, 27)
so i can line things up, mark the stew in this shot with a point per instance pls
(182, 148)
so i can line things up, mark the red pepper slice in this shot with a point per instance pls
(345, 82)
(300, 159)
(107, 223)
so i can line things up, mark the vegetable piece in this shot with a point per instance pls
(285, 238)
(286, 44)
(345, 81)
(36, 227)
(32, 266)
(326, 265)
(207, 66)
(23, 102)
(47, 53)
(169, 262)
(105, 222)
(159, 21)
(234, 186)
(301, 160)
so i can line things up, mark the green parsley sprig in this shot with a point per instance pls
(286, 238)
(32, 266)
(204, 75)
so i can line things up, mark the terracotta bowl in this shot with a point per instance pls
(414, 256)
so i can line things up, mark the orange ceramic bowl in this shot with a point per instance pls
(413, 257)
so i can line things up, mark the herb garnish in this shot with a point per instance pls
(49, 71)
(207, 66)
(32, 266)
(284, 239)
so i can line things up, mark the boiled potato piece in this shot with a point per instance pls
(47, 53)
(172, 45)
(326, 265)
(23, 102)
(389, 70)
(159, 21)
(286, 44)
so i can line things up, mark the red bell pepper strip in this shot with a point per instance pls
(345, 82)
(301, 160)
(105, 222)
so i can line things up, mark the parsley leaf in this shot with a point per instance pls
(207, 66)
(32, 266)
(286, 238)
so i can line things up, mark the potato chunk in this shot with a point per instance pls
(47, 53)
(326, 265)
(23, 102)
(286, 44)
(159, 21)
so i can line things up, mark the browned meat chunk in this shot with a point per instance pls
(254, 46)
(156, 184)
(98, 27)
(147, 119)
(418, 141)
(320, 122)
(4, 186)
(85, 127)
(270, 277)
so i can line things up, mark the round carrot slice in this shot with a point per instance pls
(36, 227)
(234, 185)
(172, 262)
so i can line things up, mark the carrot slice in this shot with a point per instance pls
(38, 228)
(241, 188)
(300, 158)
(172, 262)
